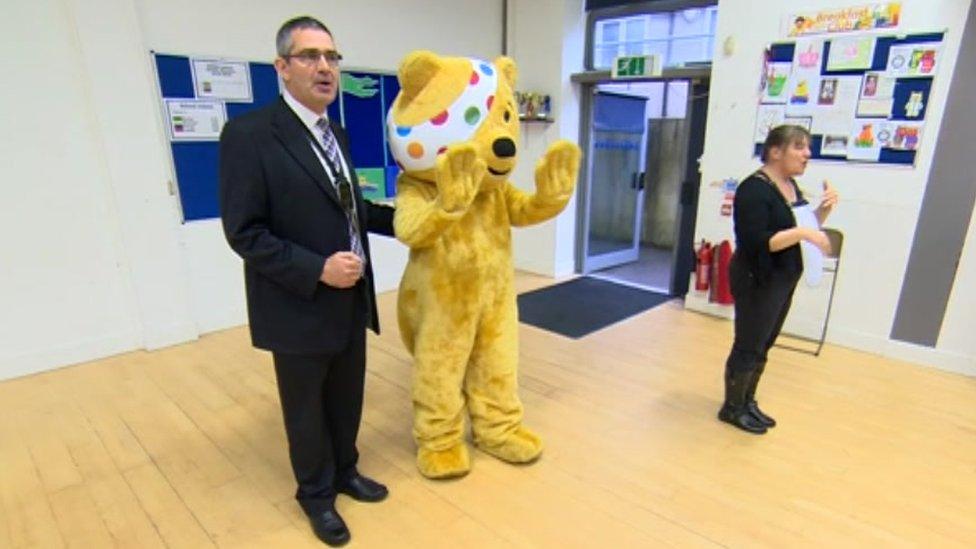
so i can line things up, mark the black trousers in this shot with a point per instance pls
(760, 311)
(322, 403)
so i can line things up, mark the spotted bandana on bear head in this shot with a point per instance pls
(416, 148)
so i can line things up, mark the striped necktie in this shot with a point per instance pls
(330, 144)
(331, 147)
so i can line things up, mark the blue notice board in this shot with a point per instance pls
(908, 90)
(364, 100)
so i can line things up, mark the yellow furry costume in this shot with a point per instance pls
(453, 129)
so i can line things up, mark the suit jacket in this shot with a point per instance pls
(282, 215)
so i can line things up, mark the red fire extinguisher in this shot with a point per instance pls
(703, 265)
(721, 290)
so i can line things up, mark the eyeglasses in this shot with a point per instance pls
(312, 57)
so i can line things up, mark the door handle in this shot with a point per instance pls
(637, 181)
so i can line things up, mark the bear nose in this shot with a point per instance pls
(503, 147)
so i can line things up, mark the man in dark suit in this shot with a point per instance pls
(292, 209)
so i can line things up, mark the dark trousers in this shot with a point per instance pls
(760, 311)
(322, 403)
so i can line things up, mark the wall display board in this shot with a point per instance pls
(200, 94)
(862, 96)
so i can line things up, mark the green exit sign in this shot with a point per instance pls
(636, 66)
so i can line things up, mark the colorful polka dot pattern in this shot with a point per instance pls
(416, 147)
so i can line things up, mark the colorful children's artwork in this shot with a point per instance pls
(911, 99)
(833, 145)
(768, 117)
(801, 92)
(914, 105)
(863, 143)
(808, 56)
(776, 76)
(828, 91)
(884, 132)
(862, 96)
(909, 60)
(905, 136)
(804, 82)
(851, 53)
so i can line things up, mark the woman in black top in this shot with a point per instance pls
(766, 266)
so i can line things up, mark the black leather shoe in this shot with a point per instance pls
(330, 528)
(753, 408)
(742, 419)
(362, 488)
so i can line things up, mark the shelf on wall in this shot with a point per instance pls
(546, 120)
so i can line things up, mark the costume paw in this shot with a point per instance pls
(555, 173)
(522, 446)
(450, 463)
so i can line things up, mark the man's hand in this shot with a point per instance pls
(342, 270)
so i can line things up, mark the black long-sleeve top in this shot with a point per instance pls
(759, 212)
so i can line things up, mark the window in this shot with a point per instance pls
(679, 37)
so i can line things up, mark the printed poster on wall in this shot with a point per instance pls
(837, 109)
(910, 60)
(220, 79)
(885, 15)
(194, 119)
(851, 53)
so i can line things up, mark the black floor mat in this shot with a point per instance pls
(584, 305)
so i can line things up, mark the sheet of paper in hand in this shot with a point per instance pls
(813, 259)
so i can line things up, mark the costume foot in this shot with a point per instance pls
(450, 463)
(522, 446)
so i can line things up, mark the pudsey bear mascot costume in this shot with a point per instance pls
(454, 130)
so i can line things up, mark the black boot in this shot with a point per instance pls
(734, 410)
(751, 403)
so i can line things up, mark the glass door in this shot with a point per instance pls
(616, 180)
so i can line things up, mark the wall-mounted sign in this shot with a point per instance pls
(884, 15)
(636, 66)
(220, 79)
(194, 119)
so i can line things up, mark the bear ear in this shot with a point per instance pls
(417, 69)
(507, 67)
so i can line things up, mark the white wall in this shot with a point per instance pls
(545, 37)
(66, 291)
(880, 205)
(95, 259)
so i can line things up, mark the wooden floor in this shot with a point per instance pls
(184, 447)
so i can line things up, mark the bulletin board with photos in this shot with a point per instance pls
(863, 97)
(199, 95)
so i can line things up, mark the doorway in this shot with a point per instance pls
(643, 142)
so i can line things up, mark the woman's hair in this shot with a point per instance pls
(781, 136)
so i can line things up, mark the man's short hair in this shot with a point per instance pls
(283, 41)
